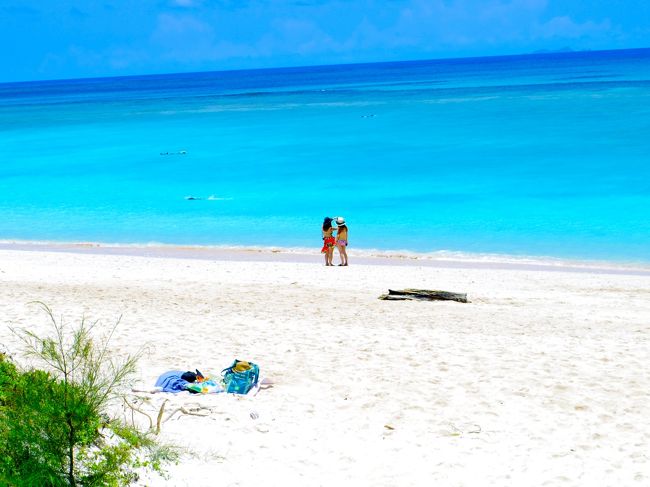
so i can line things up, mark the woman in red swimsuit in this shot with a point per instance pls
(328, 240)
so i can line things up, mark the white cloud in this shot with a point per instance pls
(566, 28)
(200, 34)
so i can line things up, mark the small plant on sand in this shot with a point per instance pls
(54, 424)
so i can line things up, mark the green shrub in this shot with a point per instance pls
(54, 427)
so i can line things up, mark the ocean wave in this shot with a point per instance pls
(208, 198)
(441, 258)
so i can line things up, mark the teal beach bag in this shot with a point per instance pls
(240, 377)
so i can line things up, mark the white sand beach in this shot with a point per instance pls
(541, 380)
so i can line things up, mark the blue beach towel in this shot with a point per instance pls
(171, 381)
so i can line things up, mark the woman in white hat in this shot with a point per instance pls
(342, 239)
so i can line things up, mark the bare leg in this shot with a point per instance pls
(344, 254)
(341, 250)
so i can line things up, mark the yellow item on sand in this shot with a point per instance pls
(241, 367)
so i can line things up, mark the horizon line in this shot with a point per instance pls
(563, 51)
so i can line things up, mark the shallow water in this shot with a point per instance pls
(530, 155)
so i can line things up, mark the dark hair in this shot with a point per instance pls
(189, 376)
(327, 223)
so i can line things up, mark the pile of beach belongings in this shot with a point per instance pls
(239, 378)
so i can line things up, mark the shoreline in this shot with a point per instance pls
(440, 259)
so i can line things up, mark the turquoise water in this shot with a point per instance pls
(543, 155)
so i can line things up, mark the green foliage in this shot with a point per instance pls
(54, 428)
(157, 453)
(42, 417)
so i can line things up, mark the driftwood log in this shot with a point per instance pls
(423, 295)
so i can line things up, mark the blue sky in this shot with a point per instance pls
(48, 39)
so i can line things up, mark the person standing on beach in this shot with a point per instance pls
(328, 240)
(342, 239)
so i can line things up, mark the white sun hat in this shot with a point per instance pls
(340, 220)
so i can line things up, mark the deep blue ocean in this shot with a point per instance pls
(534, 155)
